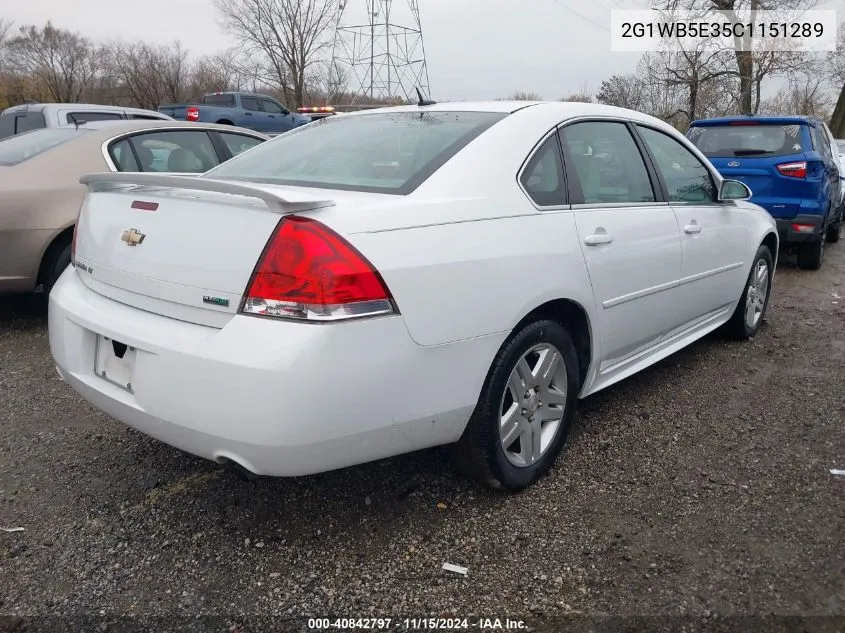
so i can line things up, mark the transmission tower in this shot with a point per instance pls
(378, 53)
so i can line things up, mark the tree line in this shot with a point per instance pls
(283, 48)
(680, 85)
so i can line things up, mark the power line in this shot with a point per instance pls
(581, 15)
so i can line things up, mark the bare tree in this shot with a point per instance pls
(5, 29)
(149, 75)
(751, 68)
(215, 73)
(584, 94)
(62, 61)
(5, 71)
(836, 75)
(804, 94)
(623, 91)
(520, 95)
(288, 37)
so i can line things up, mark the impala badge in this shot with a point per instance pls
(733, 163)
(217, 301)
(132, 237)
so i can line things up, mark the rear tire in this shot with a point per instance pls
(751, 309)
(522, 418)
(833, 232)
(811, 256)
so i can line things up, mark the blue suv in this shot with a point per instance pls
(790, 166)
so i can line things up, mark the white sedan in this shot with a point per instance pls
(396, 279)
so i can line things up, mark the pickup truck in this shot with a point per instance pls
(252, 111)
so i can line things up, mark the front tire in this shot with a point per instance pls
(525, 410)
(751, 309)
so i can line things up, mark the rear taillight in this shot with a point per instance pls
(794, 170)
(308, 272)
(192, 113)
(803, 228)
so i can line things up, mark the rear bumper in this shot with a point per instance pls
(278, 398)
(789, 234)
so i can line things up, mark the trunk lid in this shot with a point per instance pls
(180, 246)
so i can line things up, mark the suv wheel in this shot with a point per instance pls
(833, 232)
(811, 256)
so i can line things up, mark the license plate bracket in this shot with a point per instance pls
(115, 362)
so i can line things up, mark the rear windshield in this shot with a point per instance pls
(16, 149)
(87, 117)
(747, 140)
(220, 101)
(388, 152)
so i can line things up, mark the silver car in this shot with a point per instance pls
(37, 116)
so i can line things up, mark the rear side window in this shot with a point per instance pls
(543, 175)
(16, 149)
(122, 156)
(385, 152)
(176, 151)
(239, 143)
(87, 117)
(219, 101)
(725, 141)
(820, 142)
(30, 121)
(7, 125)
(249, 103)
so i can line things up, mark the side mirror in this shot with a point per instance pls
(734, 190)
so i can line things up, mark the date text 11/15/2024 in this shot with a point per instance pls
(416, 624)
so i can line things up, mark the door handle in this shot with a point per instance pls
(600, 238)
(692, 229)
(247, 113)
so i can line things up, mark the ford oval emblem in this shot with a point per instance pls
(733, 163)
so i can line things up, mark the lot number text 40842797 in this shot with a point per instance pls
(416, 624)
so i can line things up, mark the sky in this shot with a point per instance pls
(475, 49)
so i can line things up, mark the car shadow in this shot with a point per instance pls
(22, 312)
(394, 492)
(384, 495)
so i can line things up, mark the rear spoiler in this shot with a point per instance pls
(282, 202)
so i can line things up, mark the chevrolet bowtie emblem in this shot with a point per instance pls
(132, 237)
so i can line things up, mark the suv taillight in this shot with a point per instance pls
(794, 170)
(310, 273)
(192, 113)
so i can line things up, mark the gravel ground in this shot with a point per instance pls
(698, 489)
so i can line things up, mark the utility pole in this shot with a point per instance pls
(378, 53)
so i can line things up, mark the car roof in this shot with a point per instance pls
(76, 106)
(132, 125)
(560, 109)
(797, 119)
